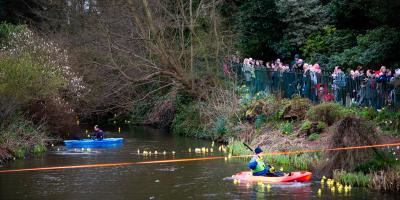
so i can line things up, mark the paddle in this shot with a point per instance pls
(248, 146)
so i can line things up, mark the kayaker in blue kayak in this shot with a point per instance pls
(99, 134)
(260, 168)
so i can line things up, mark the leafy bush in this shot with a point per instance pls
(187, 122)
(313, 136)
(287, 128)
(23, 79)
(328, 113)
(389, 121)
(306, 125)
(321, 125)
(220, 127)
(14, 134)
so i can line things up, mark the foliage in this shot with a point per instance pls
(287, 128)
(302, 18)
(381, 161)
(295, 108)
(23, 79)
(356, 179)
(19, 136)
(313, 136)
(389, 121)
(306, 125)
(321, 125)
(237, 148)
(187, 122)
(258, 28)
(220, 127)
(328, 113)
(293, 162)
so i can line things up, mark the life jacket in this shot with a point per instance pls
(260, 165)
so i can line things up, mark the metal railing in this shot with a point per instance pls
(366, 92)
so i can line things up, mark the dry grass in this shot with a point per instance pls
(350, 131)
(388, 180)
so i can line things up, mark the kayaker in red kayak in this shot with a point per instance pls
(99, 134)
(260, 168)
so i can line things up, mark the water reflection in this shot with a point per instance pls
(188, 180)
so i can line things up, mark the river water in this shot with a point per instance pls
(183, 180)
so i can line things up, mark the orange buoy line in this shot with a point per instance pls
(193, 159)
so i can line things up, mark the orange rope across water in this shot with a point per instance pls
(194, 159)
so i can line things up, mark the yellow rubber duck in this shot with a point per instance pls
(319, 191)
(268, 186)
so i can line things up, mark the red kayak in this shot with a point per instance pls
(291, 177)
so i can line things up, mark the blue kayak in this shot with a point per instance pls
(90, 143)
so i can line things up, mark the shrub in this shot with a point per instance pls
(321, 125)
(306, 126)
(220, 127)
(287, 128)
(389, 121)
(19, 136)
(328, 113)
(187, 122)
(351, 131)
(313, 136)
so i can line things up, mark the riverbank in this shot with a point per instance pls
(281, 125)
(20, 138)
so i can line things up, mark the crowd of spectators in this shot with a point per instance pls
(364, 87)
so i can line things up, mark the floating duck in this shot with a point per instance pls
(319, 191)
(211, 150)
(197, 150)
(190, 150)
(333, 189)
(164, 152)
(268, 186)
(173, 152)
(138, 151)
(235, 181)
(155, 152)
